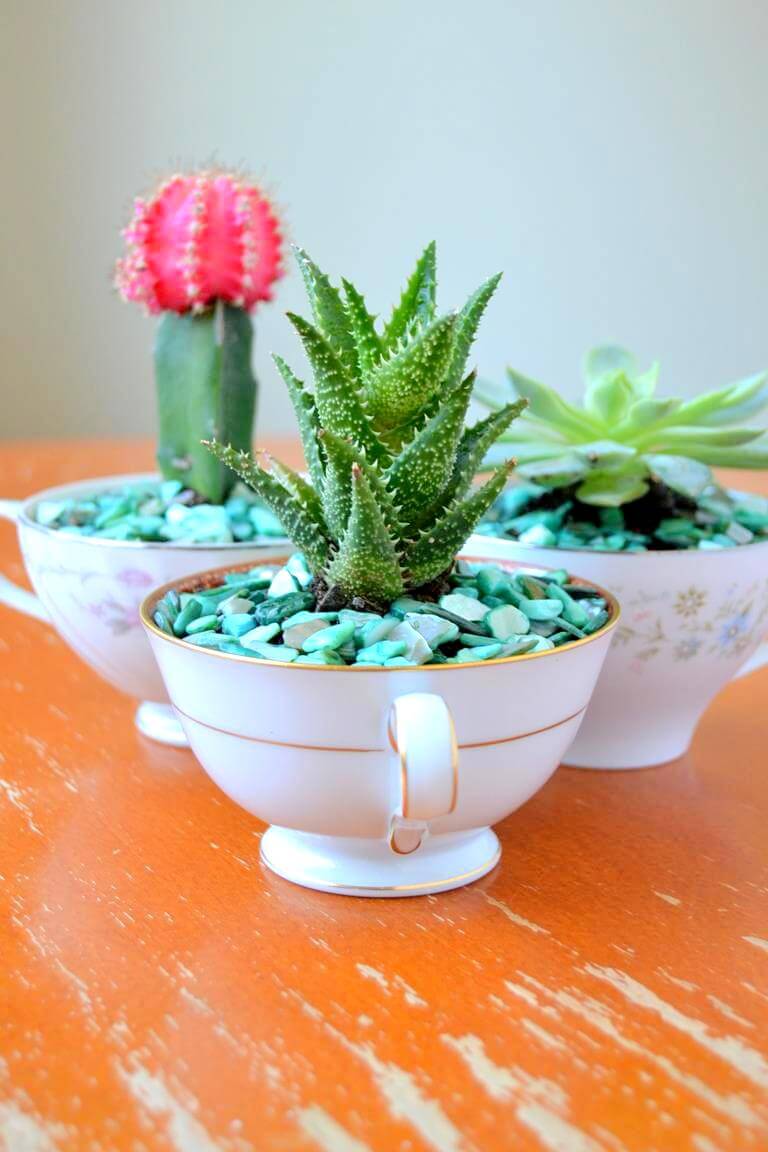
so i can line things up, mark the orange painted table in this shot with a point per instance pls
(605, 988)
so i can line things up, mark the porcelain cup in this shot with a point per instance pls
(378, 781)
(691, 622)
(90, 589)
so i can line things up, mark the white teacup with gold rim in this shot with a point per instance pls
(378, 781)
(691, 622)
(90, 589)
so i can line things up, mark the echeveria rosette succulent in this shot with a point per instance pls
(624, 438)
(388, 500)
(203, 250)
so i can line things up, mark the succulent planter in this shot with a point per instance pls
(691, 621)
(90, 589)
(378, 781)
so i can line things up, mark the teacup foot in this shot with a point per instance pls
(347, 866)
(158, 722)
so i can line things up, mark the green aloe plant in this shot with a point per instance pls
(388, 500)
(624, 440)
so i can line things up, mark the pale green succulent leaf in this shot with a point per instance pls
(689, 477)
(610, 488)
(402, 386)
(466, 328)
(602, 453)
(741, 401)
(754, 456)
(417, 303)
(644, 384)
(608, 399)
(560, 472)
(547, 405)
(328, 311)
(643, 414)
(668, 439)
(367, 563)
(307, 420)
(437, 545)
(305, 530)
(607, 360)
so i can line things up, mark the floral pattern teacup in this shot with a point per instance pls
(691, 621)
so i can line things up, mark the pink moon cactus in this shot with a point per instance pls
(199, 239)
(202, 251)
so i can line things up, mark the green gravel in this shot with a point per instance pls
(161, 511)
(718, 520)
(253, 615)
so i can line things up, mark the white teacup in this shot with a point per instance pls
(691, 622)
(90, 588)
(378, 781)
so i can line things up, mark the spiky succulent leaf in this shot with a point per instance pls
(417, 303)
(300, 523)
(338, 405)
(367, 563)
(422, 470)
(328, 310)
(368, 345)
(434, 550)
(302, 492)
(342, 457)
(466, 328)
(307, 420)
(476, 441)
(403, 385)
(620, 407)
(388, 457)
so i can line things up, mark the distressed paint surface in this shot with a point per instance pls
(606, 988)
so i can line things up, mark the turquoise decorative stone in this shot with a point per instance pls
(332, 637)
(375, 630)
(205, 624)
(237, 624)
(435, 629)
(529, 611)
(506, 622)
(382, 651)
(260, 635)
(282, 584)
(540, 609)
(190, 612)
(234, 606)
(417, 651)
(464, 606)
(483, 652)
(324, 656)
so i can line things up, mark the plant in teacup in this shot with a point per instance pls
(621, 488)
(380, 703)
(202, 252)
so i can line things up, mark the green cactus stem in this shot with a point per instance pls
(206, 390)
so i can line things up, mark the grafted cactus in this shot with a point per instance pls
(389, 499)
(203, 250)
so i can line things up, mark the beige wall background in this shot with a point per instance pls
(610, 156)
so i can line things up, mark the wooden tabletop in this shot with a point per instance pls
(605, 988)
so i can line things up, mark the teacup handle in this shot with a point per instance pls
(757, 660)
(421, 732)
(11, 594)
